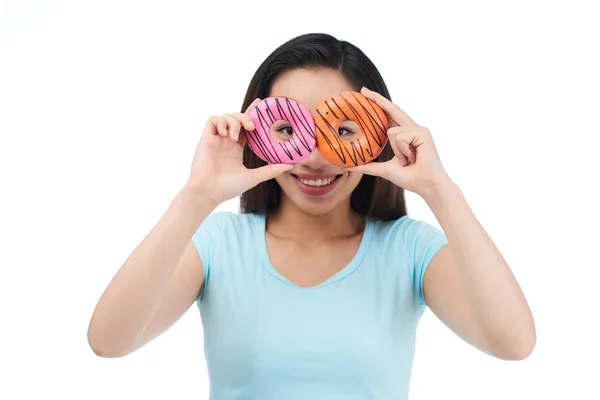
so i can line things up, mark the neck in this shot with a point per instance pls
(291, 222)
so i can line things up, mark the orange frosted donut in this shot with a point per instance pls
(351, 106)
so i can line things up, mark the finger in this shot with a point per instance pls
(267, 172)
(245, 120)
(233, 126)
(398, 150)
(413, 137)
(211, 125)
(221, 125)
(373, 168)
(255, 102)
(402, 149)
(397, 116)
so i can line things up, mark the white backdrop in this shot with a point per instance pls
(102, 107)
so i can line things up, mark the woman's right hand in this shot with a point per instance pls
(217, 168)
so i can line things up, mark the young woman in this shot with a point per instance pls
(315, 290)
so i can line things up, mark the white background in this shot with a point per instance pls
(102, 107)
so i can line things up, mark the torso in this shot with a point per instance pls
(331, 321)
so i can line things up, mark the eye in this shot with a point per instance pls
(286, 130)
(344, 131)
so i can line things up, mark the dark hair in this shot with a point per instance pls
(374, 197)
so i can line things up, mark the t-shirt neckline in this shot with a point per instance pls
(341, 274)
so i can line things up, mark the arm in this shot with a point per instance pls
(156, 285)
(163, 276)
(469, 285)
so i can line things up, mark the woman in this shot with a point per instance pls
(314, 293)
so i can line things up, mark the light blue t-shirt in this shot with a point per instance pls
(351, 337)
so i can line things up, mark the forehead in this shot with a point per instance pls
(310, 86)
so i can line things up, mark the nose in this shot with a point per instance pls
(315, 161)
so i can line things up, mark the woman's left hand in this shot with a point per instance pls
(417, 166)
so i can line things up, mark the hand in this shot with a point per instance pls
(217, 168)
(417, 166)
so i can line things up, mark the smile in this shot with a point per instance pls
(318, 182)
(316, 185)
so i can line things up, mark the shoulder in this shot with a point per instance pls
(229, 220)
(409, 238)
(228, 223)
(412, 243)
(220, 229)
(406, 229)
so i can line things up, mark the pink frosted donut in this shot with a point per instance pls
(298, 147)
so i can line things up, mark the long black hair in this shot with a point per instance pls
(374, 197)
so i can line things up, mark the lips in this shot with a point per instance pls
(316, 184)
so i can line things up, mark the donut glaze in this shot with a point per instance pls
(366, 113)
(302, 142)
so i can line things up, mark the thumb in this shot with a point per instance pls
(267, 172)
(372, 168)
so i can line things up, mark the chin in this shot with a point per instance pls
(318, 194)
(313, 209)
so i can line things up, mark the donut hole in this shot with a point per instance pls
(281, 131)
(349, 130)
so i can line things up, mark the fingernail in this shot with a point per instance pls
(366, 88)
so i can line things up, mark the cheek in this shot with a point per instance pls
(354, 179)
(281, 180)
(287, 185)
(351, 181)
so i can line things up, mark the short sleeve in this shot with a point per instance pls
(205, 240)
(427, 241)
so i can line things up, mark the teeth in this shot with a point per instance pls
(317, 183)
